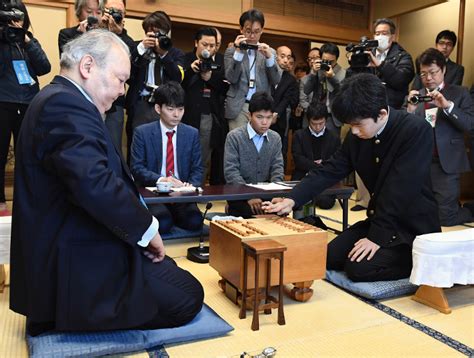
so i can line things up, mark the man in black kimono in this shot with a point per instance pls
(391, 150)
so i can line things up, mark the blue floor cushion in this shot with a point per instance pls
(372, 290)
(206, 324)
(179, 233)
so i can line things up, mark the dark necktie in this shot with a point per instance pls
(169, 154)
(158, 71)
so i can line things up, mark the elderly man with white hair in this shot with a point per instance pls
(86, 253)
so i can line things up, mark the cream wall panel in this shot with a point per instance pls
(47, 21)
(468, 48)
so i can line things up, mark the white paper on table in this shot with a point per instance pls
(183, 189)
(270, 186)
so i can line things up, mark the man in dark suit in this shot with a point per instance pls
(451, 114)
(154, 62)
(391, 150)
(285, 97)
(313, 146)
(248, 69)
(205, 86)
(445, 42)
(169, 151)
(86, 254)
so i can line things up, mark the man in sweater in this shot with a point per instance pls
(253, 154)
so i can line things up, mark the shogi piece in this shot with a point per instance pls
(305, 258)
(263, 250)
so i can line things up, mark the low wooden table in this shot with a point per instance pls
(305, 258)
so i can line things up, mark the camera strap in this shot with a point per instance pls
(252, 77)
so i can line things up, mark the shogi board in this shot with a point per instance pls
(304, 260)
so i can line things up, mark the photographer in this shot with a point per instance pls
(154, 62)
(389, 62)
(204, 86)
(21, 60)
(250, 66)
(88, 14)
(324, 80)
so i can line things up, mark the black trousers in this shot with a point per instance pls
(185, 215)
(11, 116)
(387, 264)
(178, 294)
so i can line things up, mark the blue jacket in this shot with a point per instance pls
(147, 156)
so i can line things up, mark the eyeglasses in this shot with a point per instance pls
(249, 32)
(430, 73)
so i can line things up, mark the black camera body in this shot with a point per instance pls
(325, 65)
(163, 40)
(92, 23)
(207, 64)
(359, 58)
(116, 15)
(415, 99)
(10, 34)
(247, 46)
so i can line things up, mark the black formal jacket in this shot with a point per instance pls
(285, 94)
(453, 76)
(395, 168)
(66, 35)
(76, 221)
(196, 104)
(450, 128)
(302, 151)
(173, 70)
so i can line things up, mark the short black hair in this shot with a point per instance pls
(170, 94)
(386, 21)
(260, 101)
(360, 96)
(317, 110)
(330, 48)
(315, 49)
(447, 34)
(431, 56)
(252, 15)
(302, 66)
(157, 19)
(205, 31)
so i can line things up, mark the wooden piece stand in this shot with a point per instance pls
(2, 278)
(266, 250)
(433, 297)
(305, 258)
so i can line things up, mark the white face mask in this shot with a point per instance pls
(383, 42)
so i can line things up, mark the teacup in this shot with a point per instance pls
(164, 186)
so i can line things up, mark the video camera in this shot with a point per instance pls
(163, 40)
(247, 46)
(207, 64)
(415, 99)
(359, 58)
(8, 14)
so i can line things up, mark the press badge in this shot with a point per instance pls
(251, 83)
(430, 116)
(22, 74)
(206, 93)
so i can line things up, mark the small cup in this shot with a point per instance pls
(164, 187)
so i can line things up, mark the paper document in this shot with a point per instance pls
(270, 186)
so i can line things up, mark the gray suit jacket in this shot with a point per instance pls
(449, 129)
(237, 73)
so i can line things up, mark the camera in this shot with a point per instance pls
(163, 40)
(207, 64)
(415, 99)
(246, 46)
(325, 65)
(359, 58)
(92, 22)
(116, 15)
(11, 34)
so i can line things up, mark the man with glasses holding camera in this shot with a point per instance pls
(449, 110)
(324, 80)
(250, 66)
(154, 62)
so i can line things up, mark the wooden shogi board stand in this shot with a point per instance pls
(305, 258)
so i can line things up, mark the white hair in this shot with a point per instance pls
(96, 43)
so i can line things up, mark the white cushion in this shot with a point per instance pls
(5, 228)
(443, 259)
